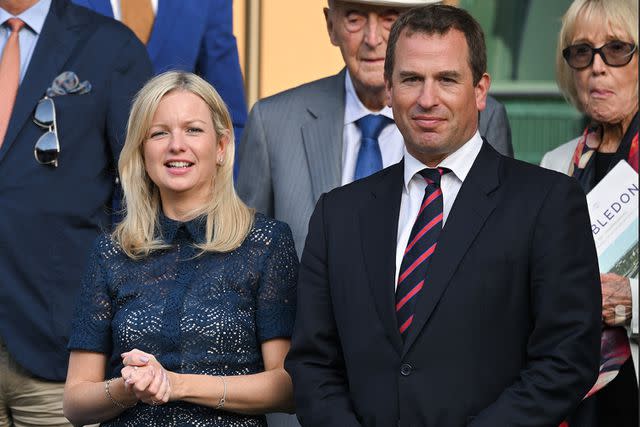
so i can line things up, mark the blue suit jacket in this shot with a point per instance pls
(51, 216)
(196, 36)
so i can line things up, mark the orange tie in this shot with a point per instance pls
(138, 15)
(9, 75)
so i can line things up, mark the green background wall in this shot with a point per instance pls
(521, 40)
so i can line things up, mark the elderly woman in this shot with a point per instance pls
(187, 307)
(597, 70)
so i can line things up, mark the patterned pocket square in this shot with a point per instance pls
(68, 83)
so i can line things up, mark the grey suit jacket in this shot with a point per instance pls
(291, 149)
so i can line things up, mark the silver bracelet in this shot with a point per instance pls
(110, 397)
(223, 399)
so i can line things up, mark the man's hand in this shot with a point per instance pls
(146, 377)
(616, 292)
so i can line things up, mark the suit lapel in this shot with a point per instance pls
(322, 138)
(379, 229)
(52, 50)
(169, 12)
(470, 210)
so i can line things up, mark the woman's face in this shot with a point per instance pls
(181, 151)
(608, 94)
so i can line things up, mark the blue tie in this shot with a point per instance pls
(369, 156)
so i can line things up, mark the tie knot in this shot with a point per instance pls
(372, 124)
(15, 24)
(432, 176)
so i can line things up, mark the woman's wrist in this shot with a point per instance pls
(223, 398)
(198, 388)
(118, 394)
(177, 386)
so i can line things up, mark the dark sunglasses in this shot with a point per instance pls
(616, 53)
(47, 148)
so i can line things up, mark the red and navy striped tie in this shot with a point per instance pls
(420, 248)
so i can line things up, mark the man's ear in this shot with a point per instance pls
(387, 90)
(328, 17)
(482, 90)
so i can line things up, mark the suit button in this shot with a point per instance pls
(406, 369)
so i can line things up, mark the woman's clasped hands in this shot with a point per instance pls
(145, 377)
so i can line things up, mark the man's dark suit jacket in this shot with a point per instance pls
(50, 216)
(506, 330)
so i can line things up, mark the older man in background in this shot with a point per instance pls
(308, 140)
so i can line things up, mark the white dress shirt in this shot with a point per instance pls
(458, 162)
(29, 34)
(390, 139)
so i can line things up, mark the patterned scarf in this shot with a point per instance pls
(614, 344)
(582, 165)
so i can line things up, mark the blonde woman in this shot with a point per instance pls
(187, 307)
(597, 71)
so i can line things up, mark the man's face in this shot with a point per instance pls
(435, 104)
(361, 33)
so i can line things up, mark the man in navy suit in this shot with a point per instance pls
(196, 36)
(500, 322)
(52, 212)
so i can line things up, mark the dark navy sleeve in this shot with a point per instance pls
(277, 288)
(91, 327)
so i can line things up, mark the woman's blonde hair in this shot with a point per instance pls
(228, 218)
(619, 14)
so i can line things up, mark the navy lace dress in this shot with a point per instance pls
(204, 314)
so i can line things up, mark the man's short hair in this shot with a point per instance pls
(440, 19)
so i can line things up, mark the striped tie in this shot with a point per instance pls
(420, 248)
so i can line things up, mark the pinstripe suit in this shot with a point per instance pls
(292, 146)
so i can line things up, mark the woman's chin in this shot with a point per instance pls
(605, 115)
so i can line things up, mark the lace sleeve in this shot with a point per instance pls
(277, 288)
(91, 327)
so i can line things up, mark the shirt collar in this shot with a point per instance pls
(195, 228)
(354, 109)
(459, 162)
(34, 17)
